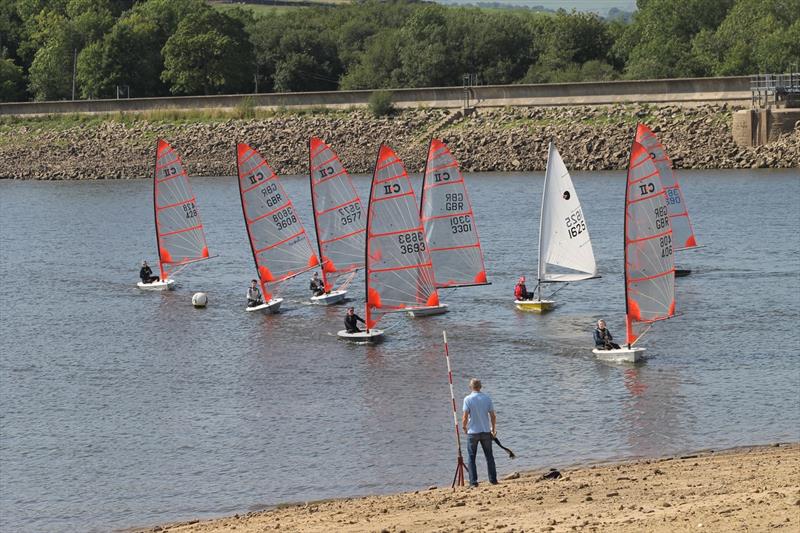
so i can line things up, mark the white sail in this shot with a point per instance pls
(565, 250)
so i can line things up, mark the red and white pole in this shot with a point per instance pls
(460, 466)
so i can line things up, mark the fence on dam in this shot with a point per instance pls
(732, 90)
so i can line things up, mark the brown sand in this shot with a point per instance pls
(751, 489)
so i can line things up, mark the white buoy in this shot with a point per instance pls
(199, 299)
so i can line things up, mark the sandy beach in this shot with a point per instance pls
(743, 489)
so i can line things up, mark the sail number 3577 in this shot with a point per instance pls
(350, 213)
(411, 243)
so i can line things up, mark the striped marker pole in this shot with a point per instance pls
(458, 479)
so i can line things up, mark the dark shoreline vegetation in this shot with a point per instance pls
(150, 48)
(589, 138)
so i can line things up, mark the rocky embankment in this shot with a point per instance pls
(510, 139)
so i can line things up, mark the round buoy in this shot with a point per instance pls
(199, 299)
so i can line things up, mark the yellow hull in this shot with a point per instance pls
(534, 306)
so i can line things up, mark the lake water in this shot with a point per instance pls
(125, 408)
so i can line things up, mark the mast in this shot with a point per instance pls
(266, 295)
(323, 261)
(367, 313)
(155, 209)
(541, 218)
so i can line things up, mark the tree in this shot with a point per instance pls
(12, 81)
(208, 54)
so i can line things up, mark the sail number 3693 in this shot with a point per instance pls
(411, 243)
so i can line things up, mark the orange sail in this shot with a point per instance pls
(649, 259)
(450, 229)
(179, 230)
(399, 270)
(338, 216)
(281, 248)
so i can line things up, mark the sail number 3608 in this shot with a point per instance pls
(411, 243)
(284, 218)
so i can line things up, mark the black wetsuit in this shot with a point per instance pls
(317, 287)
(147, 275)
(602, 340)
(351, 323)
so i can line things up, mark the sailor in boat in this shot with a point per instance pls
(351, 321)
(146, 274)
(521, 291)
(254, 295)
(603, 338)
(317, 286)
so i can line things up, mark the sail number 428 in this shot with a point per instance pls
(190, 210)
(411, 243)
(575, 223)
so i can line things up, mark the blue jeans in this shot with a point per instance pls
(472, 450)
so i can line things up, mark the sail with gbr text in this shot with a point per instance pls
(649, 259)
(179, 231)
(682, 230)
(281, 248)
(399, 271)
(450, 229)
(338, 216)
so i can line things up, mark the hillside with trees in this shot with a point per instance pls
(188, 47)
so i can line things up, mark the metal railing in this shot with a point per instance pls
(768, 90)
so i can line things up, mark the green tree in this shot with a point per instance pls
(208, 54)
(12, 81)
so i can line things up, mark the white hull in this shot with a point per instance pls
(428, 311)
(165, 285)
(269, 308)
(536, 306)
(623, 355)
(362, 337)
(331, 298)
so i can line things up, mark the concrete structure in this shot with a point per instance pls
(731, 90)
(757, 127)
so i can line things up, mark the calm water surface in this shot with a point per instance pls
(124, 408)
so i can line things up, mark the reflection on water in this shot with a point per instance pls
(124, 408)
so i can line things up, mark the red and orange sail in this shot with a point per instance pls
(399, 270)
(280, 245)
(339, 219)
(682, 230)
(179, 230)
(649, 258)
(450, 229)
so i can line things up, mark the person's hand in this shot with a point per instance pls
(494, 432)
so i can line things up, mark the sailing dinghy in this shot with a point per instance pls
(565, 249)
(280, 245)
(399, 274)
(179, 231)
(682, 230)
(649, 259)
(450, 230)
(339, 221)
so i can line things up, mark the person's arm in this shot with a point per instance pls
(493, 417)
(597, 339)
(608, 334)
(360, 319)
(464, 420)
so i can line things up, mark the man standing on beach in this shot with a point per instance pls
(480, 425)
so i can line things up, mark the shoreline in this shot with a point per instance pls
(513, 139)
(751, 487)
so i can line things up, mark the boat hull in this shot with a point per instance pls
(269, 308)
(165, 285)
(623, 355)
(428, 311)
(361, 337)
(330, 298)
(535, 306)
(682, 272)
